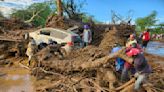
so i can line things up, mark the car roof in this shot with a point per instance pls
(58, 29)
(49, 28)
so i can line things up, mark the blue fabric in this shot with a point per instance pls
(119, 61)
(115, 49)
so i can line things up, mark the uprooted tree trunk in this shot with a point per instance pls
(59, 7)
(67, 66)
(35, 14)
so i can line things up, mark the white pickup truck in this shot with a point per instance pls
(67, 37)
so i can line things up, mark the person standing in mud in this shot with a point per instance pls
(145, 38)
(131, 40)
(87, 35)
(141, 66)
(127, 66)
(31, 50)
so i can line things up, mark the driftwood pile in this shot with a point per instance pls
(90, 69)
(94, 74)
(13, 43)
(61, 22)
(13, 24)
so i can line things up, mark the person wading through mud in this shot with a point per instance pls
(131, 40)
(127, 66)
(141, 66)
(31, 50)
(145, 38)
(87, 35)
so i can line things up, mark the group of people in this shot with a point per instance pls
(158, 36)
(139, 68)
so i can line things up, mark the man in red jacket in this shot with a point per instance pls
(145, 38)
(143, 69)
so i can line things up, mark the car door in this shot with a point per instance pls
(77, 42)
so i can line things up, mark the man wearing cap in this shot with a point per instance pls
(127, 66)
(141, 66)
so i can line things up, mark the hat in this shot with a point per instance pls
(86, 26)
(133, 52)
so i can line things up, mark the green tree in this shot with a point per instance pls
(147, 21)
(36, 14)
(159, 28)
(72, 9)
(88, 18)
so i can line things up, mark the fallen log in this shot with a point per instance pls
(129, 88)
(72, 65)
(65, 66)
(106, 59)
(4, 38)
(126, 84)
(49, 86)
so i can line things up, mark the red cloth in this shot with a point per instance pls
(129, 53)
(146, 36)
(140, 48)
(127, 65)
(133, 51)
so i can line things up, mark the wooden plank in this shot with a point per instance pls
(4, 38)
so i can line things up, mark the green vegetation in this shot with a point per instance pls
(158, 29)
(72, 9)
(36, 14)
(149, 22)
(146, 22)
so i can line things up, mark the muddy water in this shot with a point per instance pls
(156, 48)
(16, 80)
